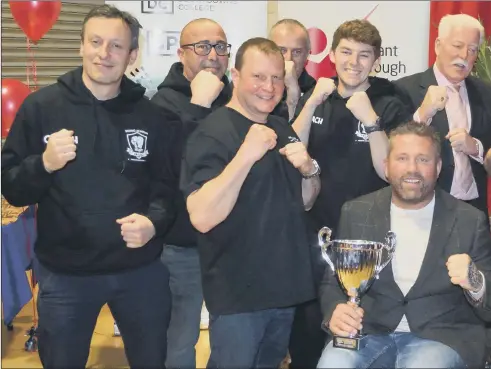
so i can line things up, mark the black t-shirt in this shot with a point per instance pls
(258, 257)
(340, 145)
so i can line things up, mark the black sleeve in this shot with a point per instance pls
(402, 88)
(486, 138)
(164, 185)
(330, 292)
(204, 158)
(24, 179)
(395, 113)
(190, 114)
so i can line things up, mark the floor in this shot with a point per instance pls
(106, 351)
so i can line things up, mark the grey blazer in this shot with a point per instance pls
(435, 308)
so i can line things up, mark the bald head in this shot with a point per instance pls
(293, 39)
(287, 27)
(193, 31)
(205, 32)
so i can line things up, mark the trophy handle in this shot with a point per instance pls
(324, 242)
(390, 246)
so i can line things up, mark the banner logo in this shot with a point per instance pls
(161, 7)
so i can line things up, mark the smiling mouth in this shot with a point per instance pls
(266, 98)
(459, 66)
(104, 66)
(412, 181)
(352, 72)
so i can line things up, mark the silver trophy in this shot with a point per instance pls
(356, 263)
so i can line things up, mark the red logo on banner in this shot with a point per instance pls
(324, 68)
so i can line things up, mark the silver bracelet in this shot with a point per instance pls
(315, 173)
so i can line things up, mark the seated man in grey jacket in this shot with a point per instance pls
(428, 307)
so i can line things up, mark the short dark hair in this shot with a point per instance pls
(419, 129)
(289, 22)
(262, 44)
(358, 30)
(110, 11)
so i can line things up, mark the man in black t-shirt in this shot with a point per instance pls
(247, 180)
(344, 123)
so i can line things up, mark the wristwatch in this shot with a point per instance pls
(374, 128)
(475, 277)
(315, 173)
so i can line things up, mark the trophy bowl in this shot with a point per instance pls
(356, 264)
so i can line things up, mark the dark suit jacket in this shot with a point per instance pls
(479, 92)
(434, 307)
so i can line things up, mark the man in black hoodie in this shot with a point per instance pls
(95, 156)
(294, 42)
(344, 123)
(194, 87)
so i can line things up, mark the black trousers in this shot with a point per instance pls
(68, 308)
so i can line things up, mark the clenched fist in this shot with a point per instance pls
(462, 141)
(205, 88)
(346, 320)
(458, 269)
(59, 150)
(361, 107)
(290, 74)
(322, 90)
(435, 100)
(136, 230)
(259, 140)
(296, 153)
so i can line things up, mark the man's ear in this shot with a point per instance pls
(235, 75)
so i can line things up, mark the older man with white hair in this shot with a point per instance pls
(457, 105)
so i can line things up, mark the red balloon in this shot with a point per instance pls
(35, 18)
(13, 94)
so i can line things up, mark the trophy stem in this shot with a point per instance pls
(355, 300)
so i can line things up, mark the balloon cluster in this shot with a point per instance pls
(35, 18)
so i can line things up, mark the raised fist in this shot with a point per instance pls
(205, 88)
(59, 150)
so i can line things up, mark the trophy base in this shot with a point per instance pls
(356, 343)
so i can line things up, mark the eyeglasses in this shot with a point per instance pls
(204, 48)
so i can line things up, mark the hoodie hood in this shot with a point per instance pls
(75, 90)
(176, 81)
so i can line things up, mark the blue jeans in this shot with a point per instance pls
(68, 308)
(396, 350)
(187, 301)
(250, 340)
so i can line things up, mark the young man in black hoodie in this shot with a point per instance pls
(194, 87)
(344, 123)
(95, 156)
(294, 42)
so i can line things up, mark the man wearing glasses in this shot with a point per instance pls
(194, 87)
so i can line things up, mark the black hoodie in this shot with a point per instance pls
(174, 94)
(340, 145)
(125, 146)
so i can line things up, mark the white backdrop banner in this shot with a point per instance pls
(162, 22)
(403, 25)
